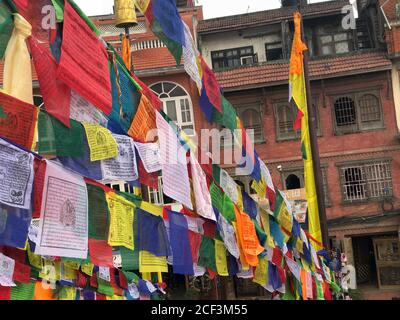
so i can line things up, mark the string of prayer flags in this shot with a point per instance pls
(18, 120)
(56, 94)
(102, 144)
(200, 188)
(17, 77)
(124, 166)
(16, 176)
(63, 227)
(84, 61)
(121, 222)
(180, 244)
(174, 165)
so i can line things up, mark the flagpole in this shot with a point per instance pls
(314, 145)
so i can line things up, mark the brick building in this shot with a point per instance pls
(352, 91)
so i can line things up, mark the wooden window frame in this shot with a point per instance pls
(258, 108)
(359, 125)
(224, 59)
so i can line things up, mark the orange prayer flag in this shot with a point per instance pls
(144, 121)
(248, 238)
(303, 277)
(42, 292)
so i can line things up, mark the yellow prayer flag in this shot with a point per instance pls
(69, 273)
(67, 293)
(260, 188)
(149, 263)
(142, 5)
(152, 208)
(261, 273)
(87, 268)
(34, 259)
(102, 144)
(51, 270)
(115, 297)
(265, 224)
(220, 259)
(299, 95)
(17, 79)
(72, 265)
(121, 221)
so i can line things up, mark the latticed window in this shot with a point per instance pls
(366, 181)
(251, 117)
(156, 196)
(232, 58)
(334, 40)
(177, 104)
(285, 117)
(356, 112)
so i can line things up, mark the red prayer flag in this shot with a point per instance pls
(22, 273)
(100, 253)
(19, 122)
(38, 184)
(84, 61)
(5, 293)
(148, 179)
(211, 86)
(56, 94)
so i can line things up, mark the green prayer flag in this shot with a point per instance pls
(216, 173)
(207, 254)
(47, 140)
(98, 213)
(69, 141)
(59, 7)
(6, 27)
(2, 114)
(104, 287)
(137, 201)
(130, 259)
(335, 287)
(217, 197)
(228, 118)
(320, 290)
(261, 235)
(174, 47)
(228, 209)
(23, 291)
(131, 277)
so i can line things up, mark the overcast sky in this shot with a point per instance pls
(211, 8)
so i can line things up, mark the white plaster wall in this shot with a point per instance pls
(256, 37)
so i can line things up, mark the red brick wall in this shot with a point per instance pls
(333, 149)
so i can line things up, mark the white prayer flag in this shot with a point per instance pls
(63, 228)
(229, 186)
(16, 176)
(201, 193)
(175, 174)
(150, 155)
(190, 58)
(124, 166)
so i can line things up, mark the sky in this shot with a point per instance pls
(211, 8)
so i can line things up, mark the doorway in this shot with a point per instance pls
(364, 260)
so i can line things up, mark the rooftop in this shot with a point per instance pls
(268, 16)
(278, 73)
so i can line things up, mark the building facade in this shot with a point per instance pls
(353, 95)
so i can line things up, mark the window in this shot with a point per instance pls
(251, 117)
(285, 117)
(293, 179)
(274, 51)
(334, 40)
(366, 181)
(177, 105)
(356, 112)
(233, 58)
(156, 196)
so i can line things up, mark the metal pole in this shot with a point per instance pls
(312, 124)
